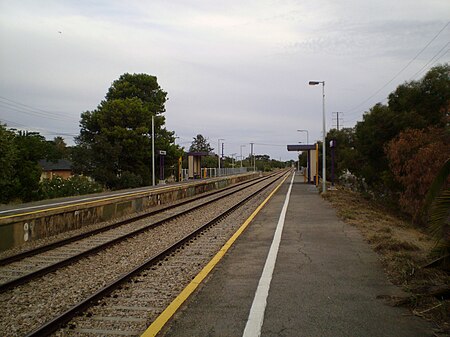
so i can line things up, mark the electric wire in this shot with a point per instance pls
(27, 109)
(431, 60)
(398, 73)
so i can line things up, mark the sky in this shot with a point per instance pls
(234, 70)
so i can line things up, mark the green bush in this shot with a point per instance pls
(128, 180)
(76, 185)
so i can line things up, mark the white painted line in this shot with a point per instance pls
(256, 316)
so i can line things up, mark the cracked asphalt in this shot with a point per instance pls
(325, 283)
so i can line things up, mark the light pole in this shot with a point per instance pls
(324, 177)
(333, 146)
(307, 160)
(153, 150)
(218, 156)
(232, 159)
(307, 135)
(241, 154)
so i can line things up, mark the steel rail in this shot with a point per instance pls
(59, 243)
(51, 326)
(71, 259)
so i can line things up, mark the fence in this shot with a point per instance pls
(212, 172)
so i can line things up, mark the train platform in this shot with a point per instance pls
(297, 270)
(24, 223)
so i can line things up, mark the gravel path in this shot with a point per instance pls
(30, 305)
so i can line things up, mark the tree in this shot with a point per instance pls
(413, 105)
(114, 145)
(415, 157)
(32, 147)
(8, 157)
(200, 144)
(438, 197)
(345, 152)
(425, 102)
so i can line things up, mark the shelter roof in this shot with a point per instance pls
(301, 147)
(198, 154)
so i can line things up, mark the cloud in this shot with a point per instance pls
(234, 70)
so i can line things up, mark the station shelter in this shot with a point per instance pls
(312, 169)
(194, 164)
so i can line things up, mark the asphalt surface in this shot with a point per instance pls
(325, 283)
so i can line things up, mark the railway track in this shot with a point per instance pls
(23, 267)
(161, 253)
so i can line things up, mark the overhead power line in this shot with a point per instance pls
(29, 110)
(435, 58)
(398, 73)
(270, 144)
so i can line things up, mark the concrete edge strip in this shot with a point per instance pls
(95, 200)
(164, 317)
(256, 316)
(69, 204)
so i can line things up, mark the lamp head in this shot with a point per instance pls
(314, 82)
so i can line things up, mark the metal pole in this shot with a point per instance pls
(153, 150)
(241, 156)
(332, 162)
(324, 145)
(337, 120)
(307, 135)
(251, 156)
(309, 166)
(218, 154)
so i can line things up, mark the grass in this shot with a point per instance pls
(403, 250)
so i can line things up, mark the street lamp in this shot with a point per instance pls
(298, 159)
(233, 159)
(241, 154)
(307, 135)
(324, 185)
(218, 151)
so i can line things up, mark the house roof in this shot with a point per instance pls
(61, 164)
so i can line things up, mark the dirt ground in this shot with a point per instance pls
(404, 251)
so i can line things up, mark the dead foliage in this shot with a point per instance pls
(404, 250)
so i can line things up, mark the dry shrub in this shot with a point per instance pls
(415, 157)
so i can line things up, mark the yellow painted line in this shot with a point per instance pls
(162, 319)
(162, 189)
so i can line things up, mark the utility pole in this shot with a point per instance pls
(337, 118)
(153, 150)
(218, 155)
(233, 160)
(251, 156)
(241, 154)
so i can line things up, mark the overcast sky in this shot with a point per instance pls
(236, 70)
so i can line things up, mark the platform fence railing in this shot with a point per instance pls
(213, 172)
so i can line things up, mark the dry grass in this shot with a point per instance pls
(403, 250)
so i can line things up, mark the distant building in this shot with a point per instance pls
(61, 168)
